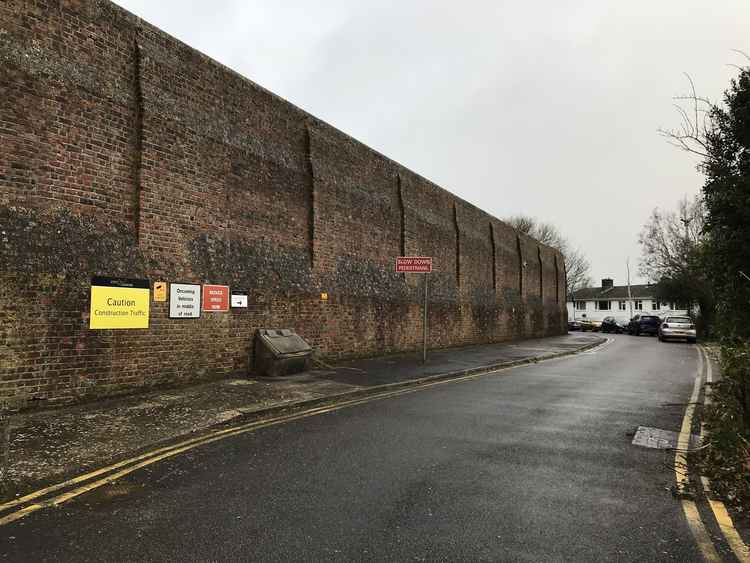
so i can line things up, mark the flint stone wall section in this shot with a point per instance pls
(124, 152)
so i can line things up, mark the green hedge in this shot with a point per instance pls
(726, 459)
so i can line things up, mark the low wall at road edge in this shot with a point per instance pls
(124, 152)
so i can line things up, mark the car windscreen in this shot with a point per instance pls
(650, 319)
(684, 320)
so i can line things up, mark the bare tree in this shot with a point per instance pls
(577, 267)
(670, 240)
(696, 123)
(710, 270)
(673, 256)
(698, 116)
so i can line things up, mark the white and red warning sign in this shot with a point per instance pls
(215, 298)
(414, 264)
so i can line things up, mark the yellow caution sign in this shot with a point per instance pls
(119, 303)
(160, 291)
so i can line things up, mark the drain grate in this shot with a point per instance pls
(659, 439)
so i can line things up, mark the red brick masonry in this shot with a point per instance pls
(124, 152)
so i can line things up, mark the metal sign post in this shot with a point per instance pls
(424, 324)
(418, 265)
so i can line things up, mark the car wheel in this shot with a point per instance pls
(691, 340)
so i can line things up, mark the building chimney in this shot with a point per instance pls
(607, 283)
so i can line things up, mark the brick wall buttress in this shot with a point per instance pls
(124, 152)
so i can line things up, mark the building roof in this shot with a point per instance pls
(615, 292)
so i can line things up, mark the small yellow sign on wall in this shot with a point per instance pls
(119, 303)
(160, 291)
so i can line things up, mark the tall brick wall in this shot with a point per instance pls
(126, 153)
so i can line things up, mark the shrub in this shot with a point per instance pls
(726, 460)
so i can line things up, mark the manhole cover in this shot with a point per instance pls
(660, 439)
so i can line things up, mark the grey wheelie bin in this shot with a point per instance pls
(280, 352)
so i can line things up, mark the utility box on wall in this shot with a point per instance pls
(281, 352)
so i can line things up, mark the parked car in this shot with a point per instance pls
(644, 324)
(596, 326)
(677, 327)
(611, 324)
(632, 323)
(574, 325)
(586, 325)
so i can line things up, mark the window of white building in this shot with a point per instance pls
(580, 305)
(603, 305)
(638, 305)
(622, 305)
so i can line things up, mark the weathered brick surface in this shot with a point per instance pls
(126, 153)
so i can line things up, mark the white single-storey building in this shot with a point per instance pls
(619, 301)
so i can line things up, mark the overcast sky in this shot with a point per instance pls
(544, 108)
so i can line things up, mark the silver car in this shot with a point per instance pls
(677, 327)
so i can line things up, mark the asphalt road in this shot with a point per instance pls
(529, 464)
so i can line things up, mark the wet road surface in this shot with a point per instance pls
(529, 464)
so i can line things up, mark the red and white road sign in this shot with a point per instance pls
(216, 298)
(414, 264)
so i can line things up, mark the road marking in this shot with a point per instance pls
(133, 464)
(681, 475)
(164, 453)
(709, 376)
(213, 437)
(699, 531)
(90, 475)
(683, 439)
(740, 549)
(598, 348)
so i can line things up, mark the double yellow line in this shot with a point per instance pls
(689, 507)
(118, 470)
(41, 498)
